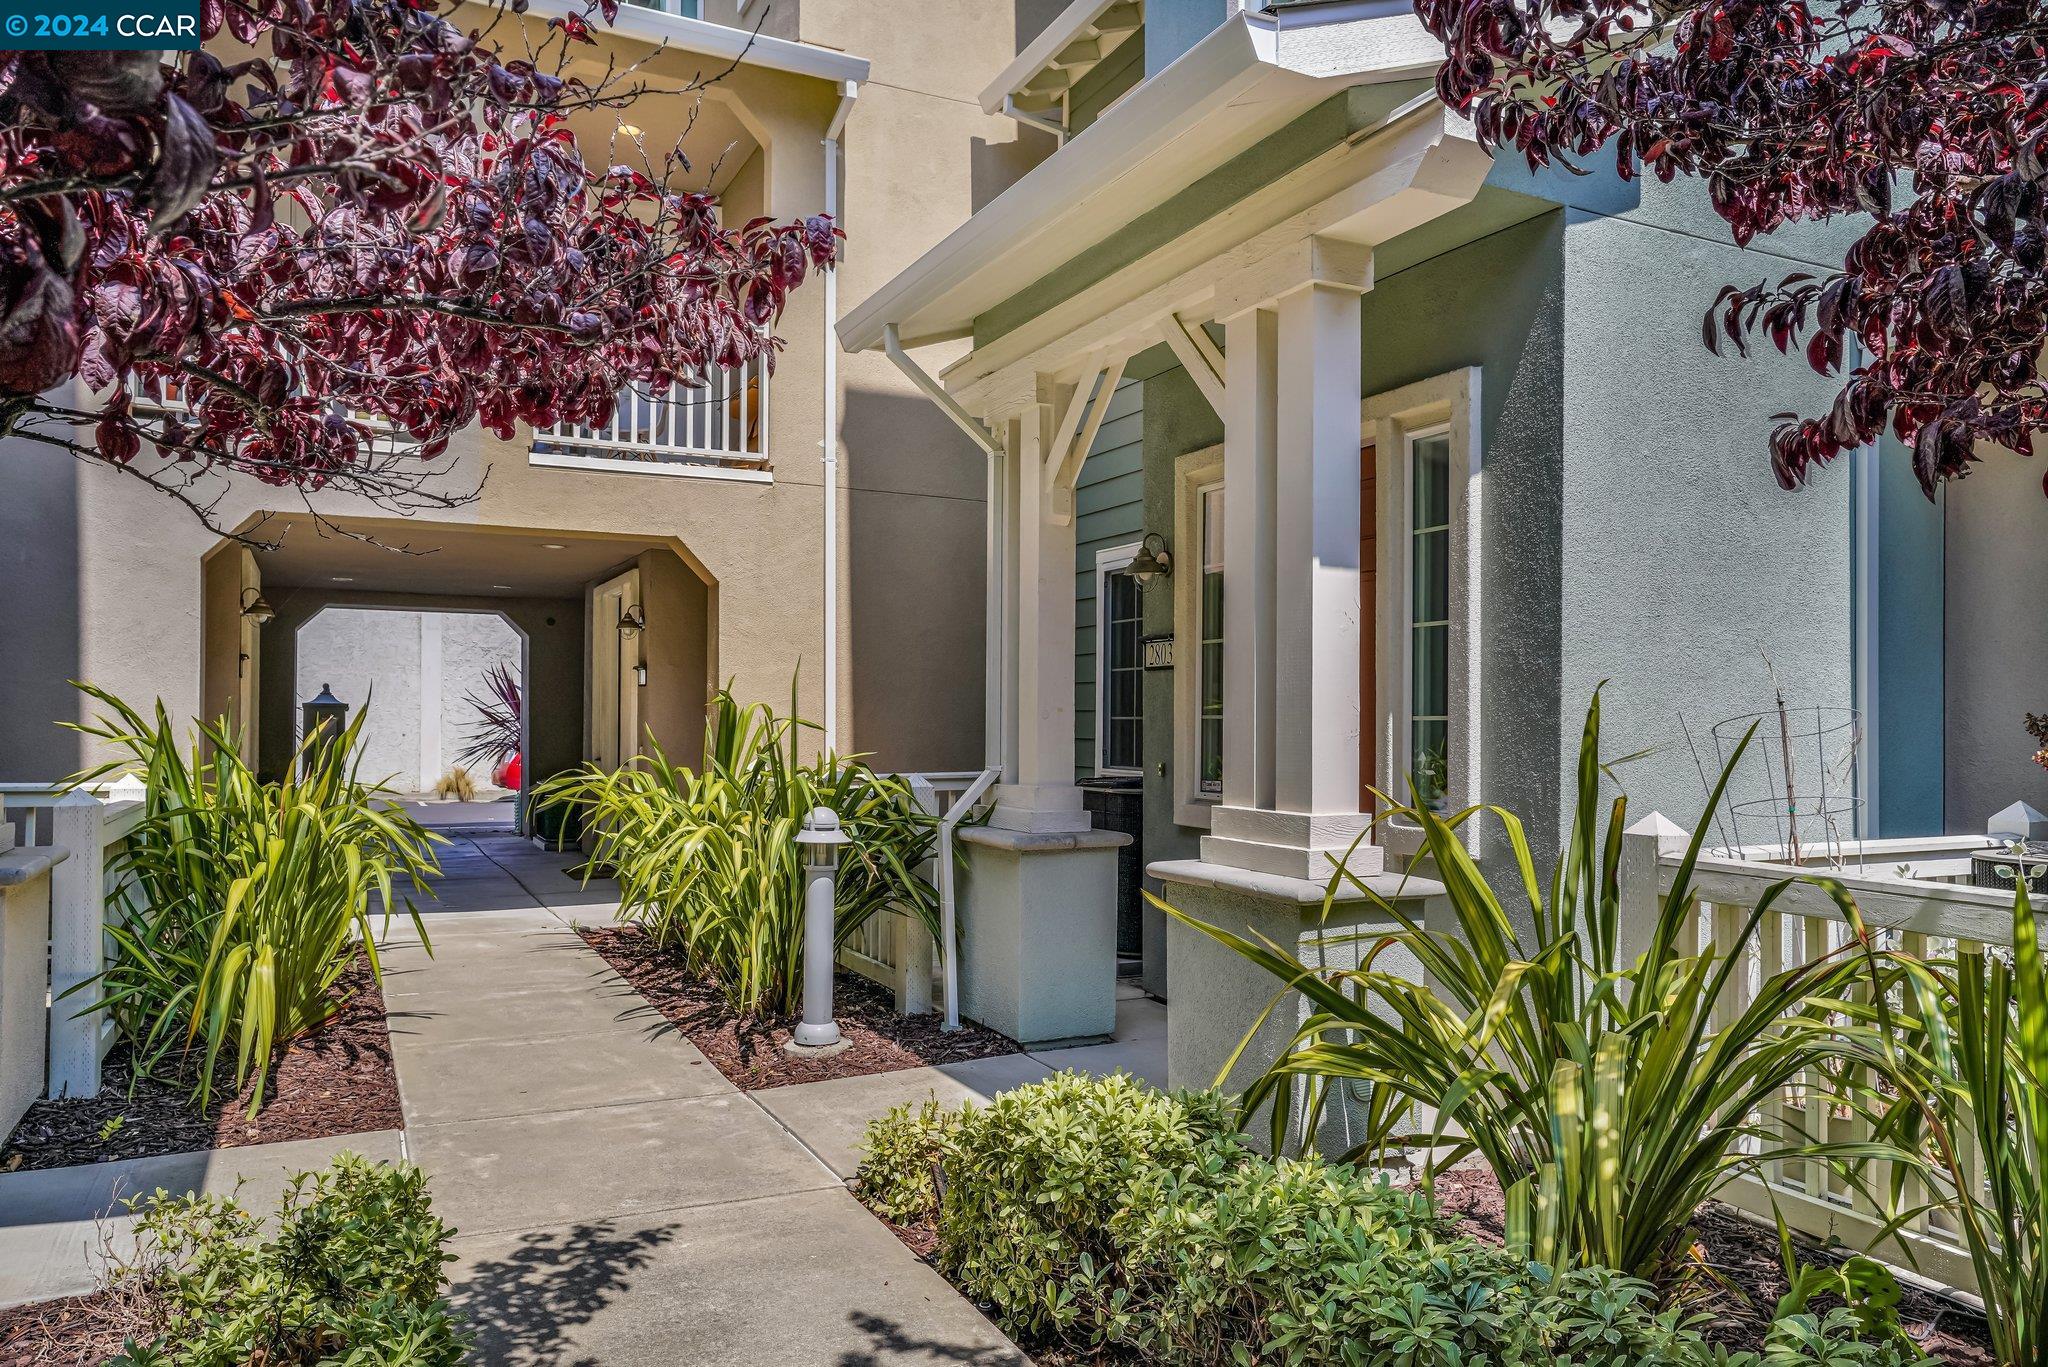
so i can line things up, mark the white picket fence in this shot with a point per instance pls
(60, 941)
(893, 948)
(1914, 892)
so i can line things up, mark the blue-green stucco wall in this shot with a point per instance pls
(1909, 686)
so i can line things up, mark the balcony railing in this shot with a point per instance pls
(722, 426)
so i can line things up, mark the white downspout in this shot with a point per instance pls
(892, 344)
(830, 441)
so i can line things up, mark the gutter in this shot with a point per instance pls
(720, 42)
(829, 443)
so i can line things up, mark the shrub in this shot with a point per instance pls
(708, 864)
(353, 1273)
(1595, 1081)
(901, 1152)
(1040, 1183)
(245, 900)
(1100, 1213)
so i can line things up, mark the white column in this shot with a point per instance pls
(1250, 420)
(78, 909)
(1291, 572)
(1038, 792)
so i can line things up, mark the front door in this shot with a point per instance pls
(614, 680)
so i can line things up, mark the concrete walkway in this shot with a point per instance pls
(619, 1201)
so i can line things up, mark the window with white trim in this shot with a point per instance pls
(1428, 548)
(1209, 643)
(1119, 666)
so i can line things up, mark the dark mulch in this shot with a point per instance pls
(750, 1052)
(337, 1080)
(1745, 1275)
(77, 1331)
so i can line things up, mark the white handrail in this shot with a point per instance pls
(948, 926)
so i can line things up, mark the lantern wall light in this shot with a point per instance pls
(255, 606)
(1153, 560)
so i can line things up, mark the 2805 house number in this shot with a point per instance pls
(1158, 652)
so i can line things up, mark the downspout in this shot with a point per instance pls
(949, 934)
(1038, 121)
(830, 441)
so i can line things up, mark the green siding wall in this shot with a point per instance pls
(1109, 505)
(1095, 92)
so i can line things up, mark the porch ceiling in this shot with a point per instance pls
(437, 558)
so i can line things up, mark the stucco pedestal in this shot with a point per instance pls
(1215, 996)
(1038, 933)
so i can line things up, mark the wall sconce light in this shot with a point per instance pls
(256, 609)
(640, 675)
(632, 619)
(1153, 560)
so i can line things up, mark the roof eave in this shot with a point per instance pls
(1245, 80)
(720, 42)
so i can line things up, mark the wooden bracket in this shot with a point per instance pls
(1079, 422)
(1198, 356)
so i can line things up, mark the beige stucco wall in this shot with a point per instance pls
(106, 575)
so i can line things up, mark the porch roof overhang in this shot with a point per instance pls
(720, 42)
(1250, 77)
(1072, 45)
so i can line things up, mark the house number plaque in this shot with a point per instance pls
(1158, 652)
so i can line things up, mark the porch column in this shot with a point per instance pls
(1038, 791)
(1038, 961)
(1292, 611)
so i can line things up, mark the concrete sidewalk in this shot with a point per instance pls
(618, 1200)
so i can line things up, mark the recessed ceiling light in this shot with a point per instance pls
(553, 546)
(342, 578)
(501, 586)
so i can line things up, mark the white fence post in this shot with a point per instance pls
(78, 902)
(1650, 840)
(913, 950)
(24, 935)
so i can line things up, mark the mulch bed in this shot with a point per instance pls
(337, 1080)
(750, 1052)
(77, 1331)
(1744, 1274)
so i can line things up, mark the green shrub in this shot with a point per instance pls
(1104, 1215)
(708, 863)
(900, 1153)
(1594, 1077)
(1040, 1183)
(246, 900)
(352, 1274)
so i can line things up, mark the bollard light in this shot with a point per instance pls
(821, 837)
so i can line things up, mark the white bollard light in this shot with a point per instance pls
(821, 838)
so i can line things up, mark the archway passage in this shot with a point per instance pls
(445, 696)
(339, 606)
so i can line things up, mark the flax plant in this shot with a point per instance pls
(245, 901)
(1983, 1034)
(707, 860)
(1596, 1082)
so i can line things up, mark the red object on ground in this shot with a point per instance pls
(506, 775)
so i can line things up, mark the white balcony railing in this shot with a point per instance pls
(721, 426)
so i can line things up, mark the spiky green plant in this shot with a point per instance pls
(1599, 1088)
(244, 901)
(707, 860)
(1983, 1036)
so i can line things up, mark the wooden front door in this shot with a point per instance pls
(1368, 620)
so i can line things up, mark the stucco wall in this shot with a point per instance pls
(1685, 566)
(1908, 694)
(1997, 620)
(378, 658)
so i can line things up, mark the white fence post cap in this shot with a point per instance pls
(1671, 837)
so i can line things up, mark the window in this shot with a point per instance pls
(1209, 643)
(1119, 666)
(1197, 636)
(1429, 613)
